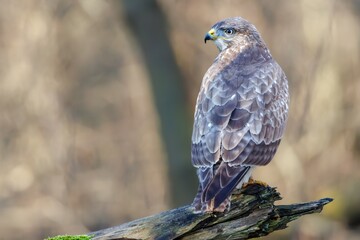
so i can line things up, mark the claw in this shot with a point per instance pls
(209, 207)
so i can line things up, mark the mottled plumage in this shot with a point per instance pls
(240, 114)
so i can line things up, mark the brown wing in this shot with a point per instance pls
(239, 120)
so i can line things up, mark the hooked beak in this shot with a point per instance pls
(210, 35)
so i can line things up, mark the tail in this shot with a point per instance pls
(223, 183)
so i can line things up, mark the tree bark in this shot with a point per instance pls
(252, 214)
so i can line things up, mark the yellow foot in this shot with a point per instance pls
(252, 181)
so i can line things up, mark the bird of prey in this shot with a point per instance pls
(240, 114)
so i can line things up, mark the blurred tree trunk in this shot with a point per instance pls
(148, 25)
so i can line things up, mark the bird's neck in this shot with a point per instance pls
(245, 54)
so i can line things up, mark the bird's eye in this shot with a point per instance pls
(229, 31)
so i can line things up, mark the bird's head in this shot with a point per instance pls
(233, 31)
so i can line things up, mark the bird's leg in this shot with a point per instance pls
(208, 206)
(224, 206)
(253, 181)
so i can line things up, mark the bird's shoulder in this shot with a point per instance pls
(234, 66)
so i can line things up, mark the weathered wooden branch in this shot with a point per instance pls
(252, 214)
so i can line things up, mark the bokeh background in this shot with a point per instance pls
(97, 99)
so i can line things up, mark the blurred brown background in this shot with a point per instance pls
(97, 98)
